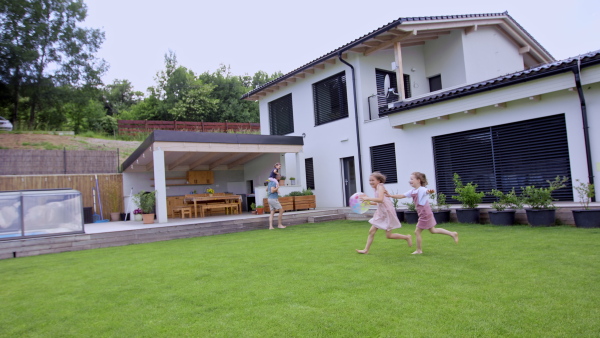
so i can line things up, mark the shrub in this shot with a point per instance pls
(440, 201)
(541, 198)
(506, 201)
(467, 194)
(586, 193)
(411, 206)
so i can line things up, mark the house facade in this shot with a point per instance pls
(471, 94)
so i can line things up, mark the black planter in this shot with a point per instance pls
(125, 217)
(587, 218)
(411, 217)
(442, 216)
(541, 217)
(400, 214)
(505, 217)
(467, 215)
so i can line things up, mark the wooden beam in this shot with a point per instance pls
(388, 43)
(331, 61)
(150, 166)
(535, 97)
(372, 43)
(525, 49)
(422, 123)
(310, 71)
(220, 161)
(291, 79)
(359, 49)
(182, 159)
(383, 37)
(470, 30)
(411, 44)
(320, 66)
(344, 56)
(243, 160)
(300, 75)
(500, 105)
(399, 127)
(443, 117)
(202, 160)
(399, 71)
(471, 111)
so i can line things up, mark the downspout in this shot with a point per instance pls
(586, 135)
(360, 173)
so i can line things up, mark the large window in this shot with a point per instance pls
(310, 173)
(330, 99)
(281, 116)
(505, 156)
(383, 159)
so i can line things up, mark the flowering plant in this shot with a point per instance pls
(210, 191)
(137, 211)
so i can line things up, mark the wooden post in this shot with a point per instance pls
(399, 71)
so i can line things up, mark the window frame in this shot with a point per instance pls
(383, 159)
(330, 91)
(281, 115)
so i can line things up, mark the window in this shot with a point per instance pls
(330, 99)
(383, 159)
(383, 101)
(435, 83)
(281, 116)
(505, 156)
(310, 173)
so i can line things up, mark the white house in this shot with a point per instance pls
(477, 95)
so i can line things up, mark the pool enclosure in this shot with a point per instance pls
(39, 213)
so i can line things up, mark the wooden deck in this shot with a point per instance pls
(102, 235)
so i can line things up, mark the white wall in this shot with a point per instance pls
(489, 54)
(445, 56)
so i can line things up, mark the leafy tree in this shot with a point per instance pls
(120, 96)
(41, 46)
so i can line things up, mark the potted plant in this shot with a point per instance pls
(304, 199)
(399, 212)
(282, 180)
(292, 180)
(137, 214)
(542, 211)
(146, 201)
(506, 206)
(253, 207)
(266, 182)
(410, 215)
(586, 218)
(469, 198)
(260, 210)
(210, 191)
(441, 213)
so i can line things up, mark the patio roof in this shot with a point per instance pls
(200, 151)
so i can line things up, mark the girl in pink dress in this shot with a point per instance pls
(418, 193)
(385, 217)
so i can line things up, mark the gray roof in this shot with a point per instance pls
(549, 69)
(379, 31)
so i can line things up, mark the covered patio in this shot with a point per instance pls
(176, 164)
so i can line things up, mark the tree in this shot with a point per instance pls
(41, 46)
(120, 96)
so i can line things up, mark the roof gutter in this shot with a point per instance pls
(586, 134)
(360, 175)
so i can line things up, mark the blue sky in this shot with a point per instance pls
(284, 35)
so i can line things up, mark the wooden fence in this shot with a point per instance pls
(131, 127)
(50, 162)
(110, 186)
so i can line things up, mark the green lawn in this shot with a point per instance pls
(307, 281)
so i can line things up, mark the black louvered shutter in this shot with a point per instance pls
(505, 156)
(330, 99)
(407, 92)
(383, 159)
(382, 101)
(310, 173)
(281, 116)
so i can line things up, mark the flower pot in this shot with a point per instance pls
(115, 216)
(411, 217)
(137, 217)
(442, 216)
(124, 217)
(467, 215)
(148, 218)
(587, 218)
(260, 211)
(400, 215)
(504, 217)
(541, 217)
(292, 182)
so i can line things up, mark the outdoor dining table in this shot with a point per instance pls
(209, 199)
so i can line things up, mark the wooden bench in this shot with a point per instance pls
(228, 207)
(183, 210)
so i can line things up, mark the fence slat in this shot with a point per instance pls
(131, 127)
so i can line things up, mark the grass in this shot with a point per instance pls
(44, 145)
(308, 281)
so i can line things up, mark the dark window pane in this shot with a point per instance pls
(330, 99)
(435, 83)
(281, 116)
(310, 173)
(383, 159)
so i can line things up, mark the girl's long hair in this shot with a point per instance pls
(421, 177)
(379, 176)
